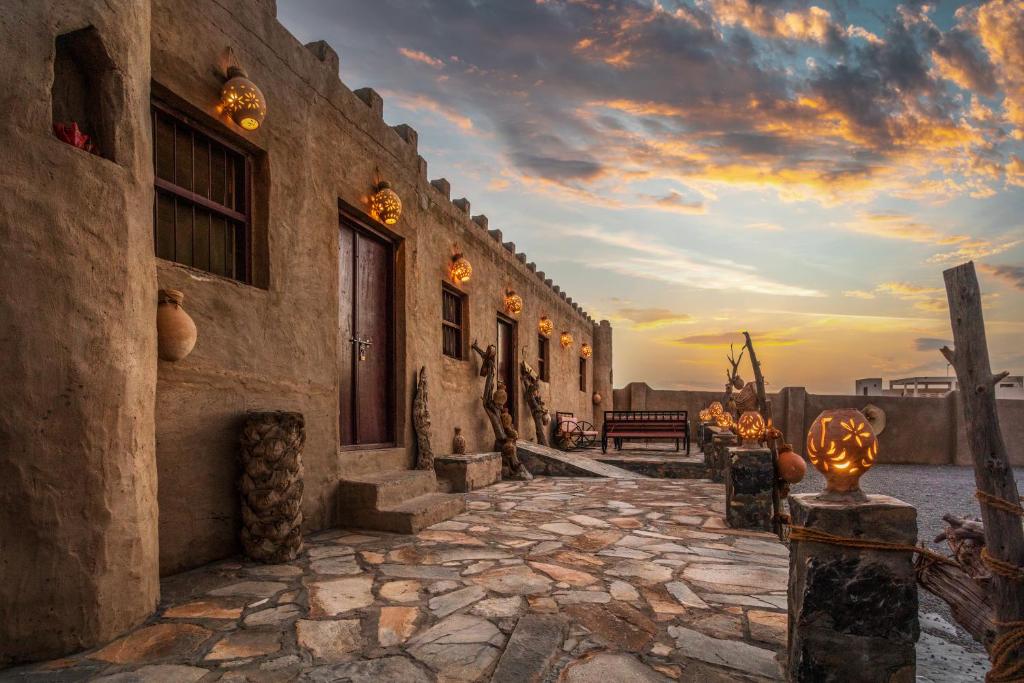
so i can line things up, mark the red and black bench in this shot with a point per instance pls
(645, 424)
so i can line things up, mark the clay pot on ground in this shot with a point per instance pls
(792, 467)
(458, 442)
(175, 329)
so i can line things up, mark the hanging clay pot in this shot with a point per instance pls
(596, 398)
(175, 329)
(500, 395)
(792, 467)
(458, 442)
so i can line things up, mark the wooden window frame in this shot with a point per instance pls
(583, 373)
(243, 218)
(460, 327)
(543, 358)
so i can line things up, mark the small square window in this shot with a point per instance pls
(453, 319)
(543, 358)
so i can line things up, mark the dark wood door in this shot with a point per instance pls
(506, 361)
(365, 336)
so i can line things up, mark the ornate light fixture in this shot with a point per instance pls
(460, 269)
(724, 420)
(751, 427)
(385, 204)
(704, 415)
(513, 302)
(586, 351)
(566, 340)
(716, 409)
(842, 445)
(242, 100)
(545, 326)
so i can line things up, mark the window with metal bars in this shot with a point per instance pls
(543, 351)
(201, 212)
(453, 329)
(583, 373)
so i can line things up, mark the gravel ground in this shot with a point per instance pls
(934, 491)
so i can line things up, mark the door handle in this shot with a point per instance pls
(361, 346)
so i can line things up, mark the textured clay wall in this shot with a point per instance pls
(919, 431)
(78, 506)
(275, 347)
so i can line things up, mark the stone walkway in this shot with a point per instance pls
(569, 580)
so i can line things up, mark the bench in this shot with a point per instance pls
(645, 424)
(571, 432)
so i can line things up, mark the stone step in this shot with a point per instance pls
(534, 645)
(408, 517)
(542, 460)
(354, 462)
(382, 490)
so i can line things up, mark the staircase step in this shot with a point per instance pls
(384, 489)
(407, 517)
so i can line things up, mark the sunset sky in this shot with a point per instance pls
(692, 169)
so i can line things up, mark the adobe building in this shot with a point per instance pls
(118, 468)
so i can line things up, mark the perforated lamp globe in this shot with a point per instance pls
(724, 420)
(566, 340)
(704, 415)
(513, 303)
(386, 205)
(716, 409)
(842, 446)
(242, 100)
(545, 326)
(750, 427)
(461, 269)
(586, 351)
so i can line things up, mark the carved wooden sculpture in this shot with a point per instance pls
(531, 391)
(271, 485)
(498, 415)
(774, 437)
(421, 423)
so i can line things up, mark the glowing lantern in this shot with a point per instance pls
(704, 415)
(724, 420)
(461, 269)
(750, 427)
(385, 204)
(545, 326)
(716, 409)
(513, 302)
(586, 351)
(842, 445)
(242, 100)
(566, 340)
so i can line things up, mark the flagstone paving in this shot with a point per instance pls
(597, 579)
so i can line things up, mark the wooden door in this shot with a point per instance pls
(506, 361)
(365, 336)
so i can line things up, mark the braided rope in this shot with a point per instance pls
(999, 503)
(1007, 665)
(1005, 569)
(803, 533)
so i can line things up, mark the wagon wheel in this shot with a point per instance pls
(579, 436)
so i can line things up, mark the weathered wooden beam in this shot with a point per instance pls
(1004, 537)
(765, 409)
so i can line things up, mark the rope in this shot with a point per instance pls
(1005, 569)
(1006, 667)
(999, 503)
(803, 533)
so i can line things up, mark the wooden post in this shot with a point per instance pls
(765, 409)
(1004, 538)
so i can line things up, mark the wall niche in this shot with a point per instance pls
(87, 89)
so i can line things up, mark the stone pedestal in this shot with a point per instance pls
(852, 611)
(470, 471)
(749, 478)
(716, 456)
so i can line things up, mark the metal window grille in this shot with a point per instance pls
(452, 329)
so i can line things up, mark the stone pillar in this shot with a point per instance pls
(717, 454)
(602, 370)
(78, 505)
(852, 611)
(749, 478)
(792, 418)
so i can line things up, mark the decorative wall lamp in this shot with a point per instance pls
(751, 428)
(460, 269)
(842, 445)
(586, 351)
(545, 326)
(385, 204)
(513, 302)
(566, 340)
(241, 99)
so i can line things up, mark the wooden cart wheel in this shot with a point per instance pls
(581, 438)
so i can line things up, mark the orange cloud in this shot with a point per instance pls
(421, 57)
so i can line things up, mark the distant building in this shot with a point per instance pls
(1008, 387)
